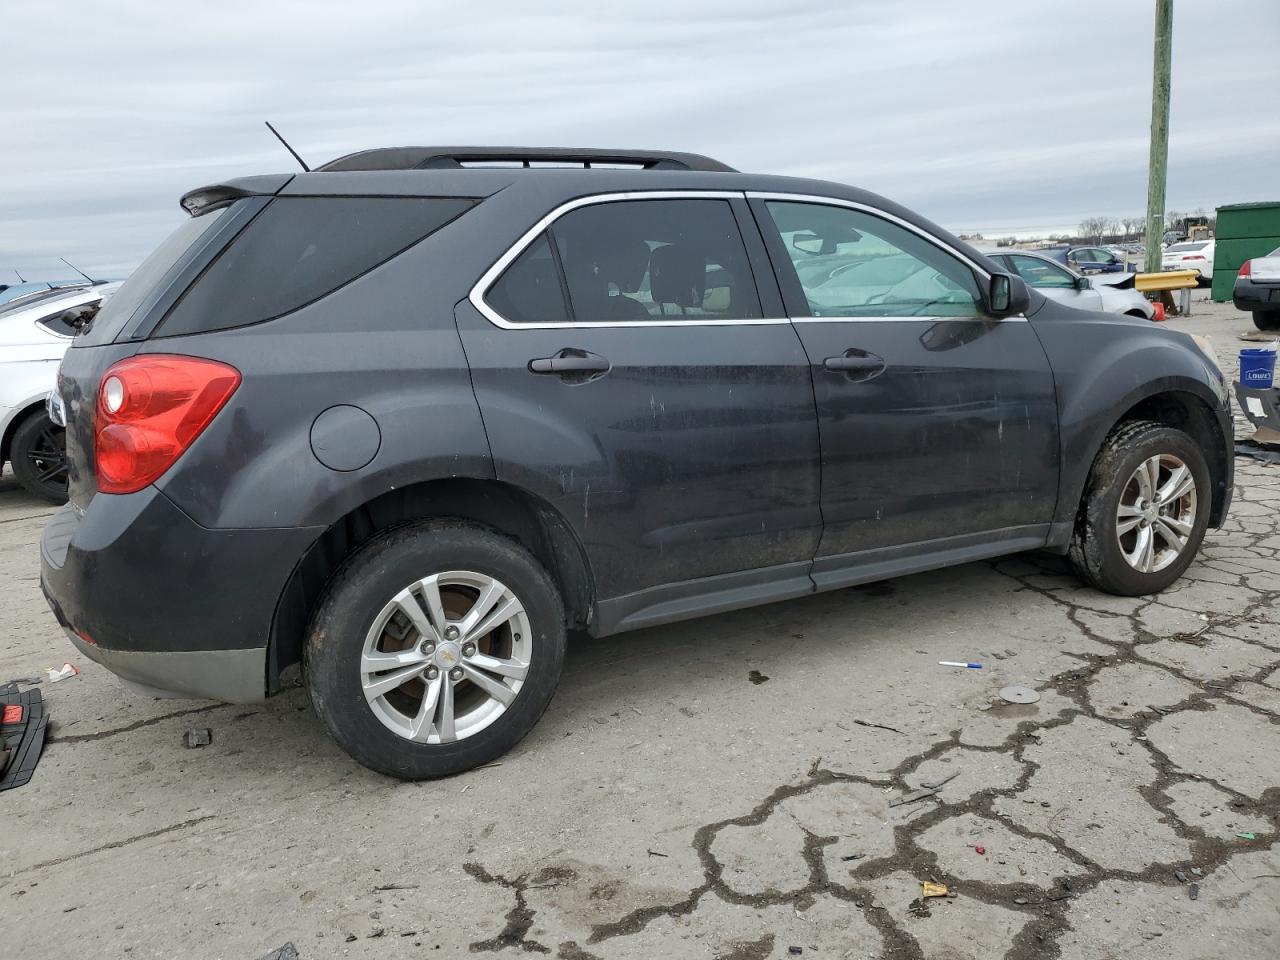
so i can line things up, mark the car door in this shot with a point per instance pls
(1053, 281)
(938, 423)
(633, 377)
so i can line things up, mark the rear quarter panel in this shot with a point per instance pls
(385, 343)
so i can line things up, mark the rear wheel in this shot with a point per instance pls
(38, 453)
(436, 649)
(1266, 319)
(1144, 511)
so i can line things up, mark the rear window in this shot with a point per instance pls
(1185, 247)
(115, 313)
(300, 249)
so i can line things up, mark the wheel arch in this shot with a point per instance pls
(503, 507)
(1184, 406)
(20, 413)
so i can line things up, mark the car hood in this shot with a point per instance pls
(1112, 279)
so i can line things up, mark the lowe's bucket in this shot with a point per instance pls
(1257, 368)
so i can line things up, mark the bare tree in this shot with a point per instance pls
(1093, 228)
(1133, 226)
(1173, 220)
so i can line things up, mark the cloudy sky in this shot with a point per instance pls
(1002, 115)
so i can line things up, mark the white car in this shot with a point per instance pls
(1102, 291)
(1190, 255)
(35, 331)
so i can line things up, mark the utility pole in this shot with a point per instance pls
(1158, 164)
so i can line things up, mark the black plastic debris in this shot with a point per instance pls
(1247, 448)
(22, 730)
(197, 737)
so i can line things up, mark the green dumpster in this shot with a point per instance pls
(1244, 231)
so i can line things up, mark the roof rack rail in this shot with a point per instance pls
(437, 158)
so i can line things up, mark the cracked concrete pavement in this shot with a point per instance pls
(672, 803)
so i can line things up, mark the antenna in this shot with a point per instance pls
(15, 270)
(302, 163)
(77, 269)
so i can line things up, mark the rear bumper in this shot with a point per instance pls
(164, 602)
(234, 676)
(1255, 297)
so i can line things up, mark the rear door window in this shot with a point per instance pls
(530, 291)
(300, 249)
(641, 261)
(638, 260)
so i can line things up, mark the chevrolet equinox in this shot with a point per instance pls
(407, 419)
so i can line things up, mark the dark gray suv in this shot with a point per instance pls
(408, 419)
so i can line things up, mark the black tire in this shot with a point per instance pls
(1095, 547)
(359, 591)
(1266, 319)
(38, 452)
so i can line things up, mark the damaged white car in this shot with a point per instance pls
(35, 331)
(1109, 292)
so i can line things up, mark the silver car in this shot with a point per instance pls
(1103, 291)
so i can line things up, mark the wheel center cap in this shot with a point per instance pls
(448, 655)
(1151, 512)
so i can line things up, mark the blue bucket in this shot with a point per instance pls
(1257, 368)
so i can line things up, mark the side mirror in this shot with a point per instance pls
(1007, 295)
(1083, 283)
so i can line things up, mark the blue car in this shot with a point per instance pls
(1088, 260)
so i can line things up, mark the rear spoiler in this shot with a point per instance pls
(203, 199)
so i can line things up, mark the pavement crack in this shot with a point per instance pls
(129, 728)
(519, 919)
(114, 845)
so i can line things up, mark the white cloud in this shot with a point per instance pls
(999, 116)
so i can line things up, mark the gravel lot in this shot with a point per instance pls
(673, 803)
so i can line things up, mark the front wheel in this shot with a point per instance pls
(436, 648)
(1144, 511)
(39, 457)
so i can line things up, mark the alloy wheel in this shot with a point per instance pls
(446, 657)
(1156, 513)
(48, 458)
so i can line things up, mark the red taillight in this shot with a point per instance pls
(150, 408)
(1245, 269)
(1195, 257)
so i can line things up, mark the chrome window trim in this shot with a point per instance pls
(490, 276)
(882, 319)
(872, 211)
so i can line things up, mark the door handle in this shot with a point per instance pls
(856, 364)
(569, 361)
